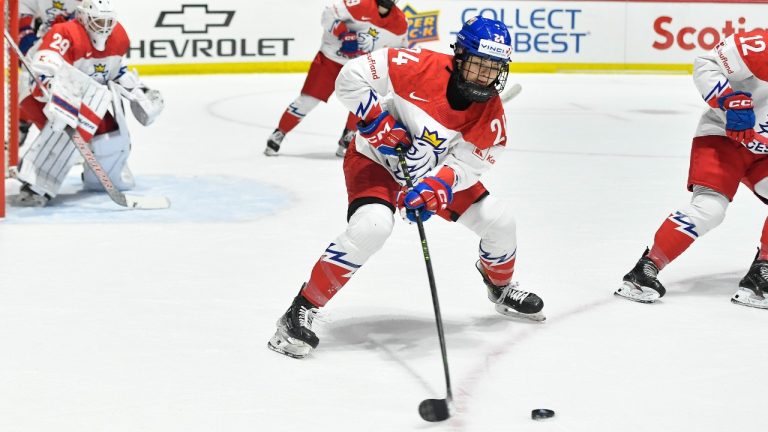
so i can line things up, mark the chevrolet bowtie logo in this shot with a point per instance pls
(195, 18)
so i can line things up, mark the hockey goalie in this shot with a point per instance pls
(82, 65)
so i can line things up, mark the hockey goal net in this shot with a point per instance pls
(10, 107)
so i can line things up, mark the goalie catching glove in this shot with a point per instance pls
(146, 105)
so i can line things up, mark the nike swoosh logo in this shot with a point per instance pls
(88, 54)
(414, 97)
(365, 18)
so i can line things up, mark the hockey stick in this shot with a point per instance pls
(431, 410)
(129, 201)
(510, 92)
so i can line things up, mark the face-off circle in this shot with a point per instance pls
(542, 414)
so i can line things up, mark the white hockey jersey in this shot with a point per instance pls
(411, 84)
(362, 17)
(49, 11)
(740, 62)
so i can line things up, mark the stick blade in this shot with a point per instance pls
(434, 410)
(147, 202)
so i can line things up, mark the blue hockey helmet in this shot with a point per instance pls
(481, 56)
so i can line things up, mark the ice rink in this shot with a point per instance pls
(157, 321)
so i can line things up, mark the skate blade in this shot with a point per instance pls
(282, 345)
(511, 313)
(341, 152)
(632, 292)
(269, 152)
(745, 298)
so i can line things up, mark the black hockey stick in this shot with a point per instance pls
(125, 200)
(431, 410)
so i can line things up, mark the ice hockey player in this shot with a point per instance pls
(732, 80)
(35, 19)
(350, 28)
(83, 62)
(446, 113)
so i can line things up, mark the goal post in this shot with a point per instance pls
(9, 152)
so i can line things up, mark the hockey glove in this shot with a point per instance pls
(349, 45)
(385, 133)
(739, 116)
(407, 214)
(430, 195)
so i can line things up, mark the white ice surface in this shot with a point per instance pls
(157, 321)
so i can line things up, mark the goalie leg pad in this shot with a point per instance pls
(48, 161)
(112, 151)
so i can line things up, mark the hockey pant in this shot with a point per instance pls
(371, 225)
(705, 212)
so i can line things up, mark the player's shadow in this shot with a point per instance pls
(402, 338)
(718, 284)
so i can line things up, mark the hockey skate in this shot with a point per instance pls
(511, 301)
(346, 138)
(641, 283)
(273, 143)
(753, 286)
(294, 336)
(29, 198)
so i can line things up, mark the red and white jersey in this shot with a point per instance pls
(69, 42)
(412, 84)
(740, 62)
(362, 17)
(49, 11)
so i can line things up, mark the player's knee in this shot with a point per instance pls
(370, 227)
(707, 208)
(503, 227)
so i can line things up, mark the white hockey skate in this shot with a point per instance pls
(294, 336)
(641, 284)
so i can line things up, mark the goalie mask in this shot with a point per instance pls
(481, 59)
(99, 19)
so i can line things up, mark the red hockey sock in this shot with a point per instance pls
(673, 238)
(763, 254)
(329, 275)
(501, 274)
(288, 121)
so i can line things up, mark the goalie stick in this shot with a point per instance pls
(129, 201)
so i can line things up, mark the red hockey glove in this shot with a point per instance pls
(385, 133)
(431, 194)
(739, 116)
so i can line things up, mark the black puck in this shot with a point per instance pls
(542, 413)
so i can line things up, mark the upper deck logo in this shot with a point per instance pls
(195, 18)
(422, 26)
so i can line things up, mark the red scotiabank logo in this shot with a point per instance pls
(689, 38)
